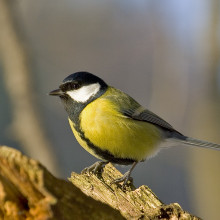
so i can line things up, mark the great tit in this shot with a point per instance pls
(112, 126)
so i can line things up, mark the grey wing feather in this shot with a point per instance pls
(150, 117)
(134, 110)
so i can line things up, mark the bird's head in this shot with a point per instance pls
(80, 87)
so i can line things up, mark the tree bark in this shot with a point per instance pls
(29, 191)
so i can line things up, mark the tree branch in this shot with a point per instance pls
(133, 203)
(29, 191)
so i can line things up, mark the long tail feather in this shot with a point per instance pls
(199, 143)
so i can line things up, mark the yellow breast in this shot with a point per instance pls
(109, 130)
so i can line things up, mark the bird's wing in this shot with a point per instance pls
(130, 108)
(142, 114)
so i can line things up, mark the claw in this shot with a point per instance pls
(125, 178)
(95, 168)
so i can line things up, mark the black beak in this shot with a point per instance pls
(57, 92)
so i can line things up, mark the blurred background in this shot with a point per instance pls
(164, 54)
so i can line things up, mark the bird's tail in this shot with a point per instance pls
(195, 142)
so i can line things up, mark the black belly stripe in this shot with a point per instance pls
(74, 109)
(104, 154)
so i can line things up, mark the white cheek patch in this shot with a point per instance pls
(84, 93)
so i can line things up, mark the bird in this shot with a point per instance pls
(114, 127)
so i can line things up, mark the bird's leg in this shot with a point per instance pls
(95, 168)
(126, 177)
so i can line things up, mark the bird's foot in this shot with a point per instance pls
(96, 168)
(124, 179)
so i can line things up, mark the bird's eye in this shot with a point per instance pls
(75, 85)
(69, 86)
